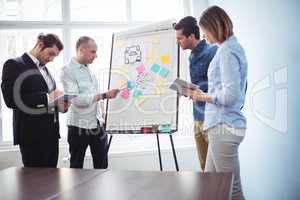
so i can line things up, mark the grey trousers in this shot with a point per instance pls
(222, 155)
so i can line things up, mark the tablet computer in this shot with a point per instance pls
(179, 85)
(65, 97)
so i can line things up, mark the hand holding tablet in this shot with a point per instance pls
(60, 98)
(183, 87)
(65, 97)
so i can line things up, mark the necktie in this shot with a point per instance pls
(50, 83)
(48, 78)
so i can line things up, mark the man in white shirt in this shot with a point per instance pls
(84, 116)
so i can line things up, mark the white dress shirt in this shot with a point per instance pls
(44, 72)
(77, 79)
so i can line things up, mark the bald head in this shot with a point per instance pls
(86, 50)
(83, 42)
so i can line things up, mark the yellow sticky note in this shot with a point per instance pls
(160, 90)
(151, 57)
(120, 43)
(153, 39)
(165, 59)
(140, 100)
(125, 69)
(159, 81)
(160, 85)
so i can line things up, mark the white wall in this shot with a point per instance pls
(198, 6)
(269, 31)
(142, 160)
(12, 157)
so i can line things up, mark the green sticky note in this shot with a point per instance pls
(137, 93)
(164, 128)
(155, 68)
(164, 72)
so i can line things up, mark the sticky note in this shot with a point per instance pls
(155, 68)
(125, 94)
(164, 72)
(164, 128)
(140, 100)
(160, 85)
(137, 93)
(122, 84)
(153, 39)
(160, 90)
(159, 81)
(165, 59)
(124, 69)
(130, 85)
(120, 43)
(140, 69)
(151, 57)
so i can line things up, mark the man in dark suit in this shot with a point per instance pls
(29, 90)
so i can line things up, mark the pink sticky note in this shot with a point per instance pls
(140, 69)
(125, 94)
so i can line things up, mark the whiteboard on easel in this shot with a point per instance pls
(144, 62)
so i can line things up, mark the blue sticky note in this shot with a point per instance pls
(130, 85)
(137, 93)
(164, 72)
(155, 68)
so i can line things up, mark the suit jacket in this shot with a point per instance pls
(25, 91)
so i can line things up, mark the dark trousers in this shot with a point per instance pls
(79, 139)
(42, 154)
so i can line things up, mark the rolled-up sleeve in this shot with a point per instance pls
(70, 85)
(228, 90)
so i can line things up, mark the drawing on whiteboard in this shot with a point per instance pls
(133, 54)
(145, 83)
(152, 82)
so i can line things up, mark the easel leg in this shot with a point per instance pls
(174, 153)
(159, 154)
(109, 142)
(107, 149)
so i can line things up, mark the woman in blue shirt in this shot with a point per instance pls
(227, 74)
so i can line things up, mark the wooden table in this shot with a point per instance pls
(64, 183)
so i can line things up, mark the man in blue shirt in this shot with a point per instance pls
(188, 37)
